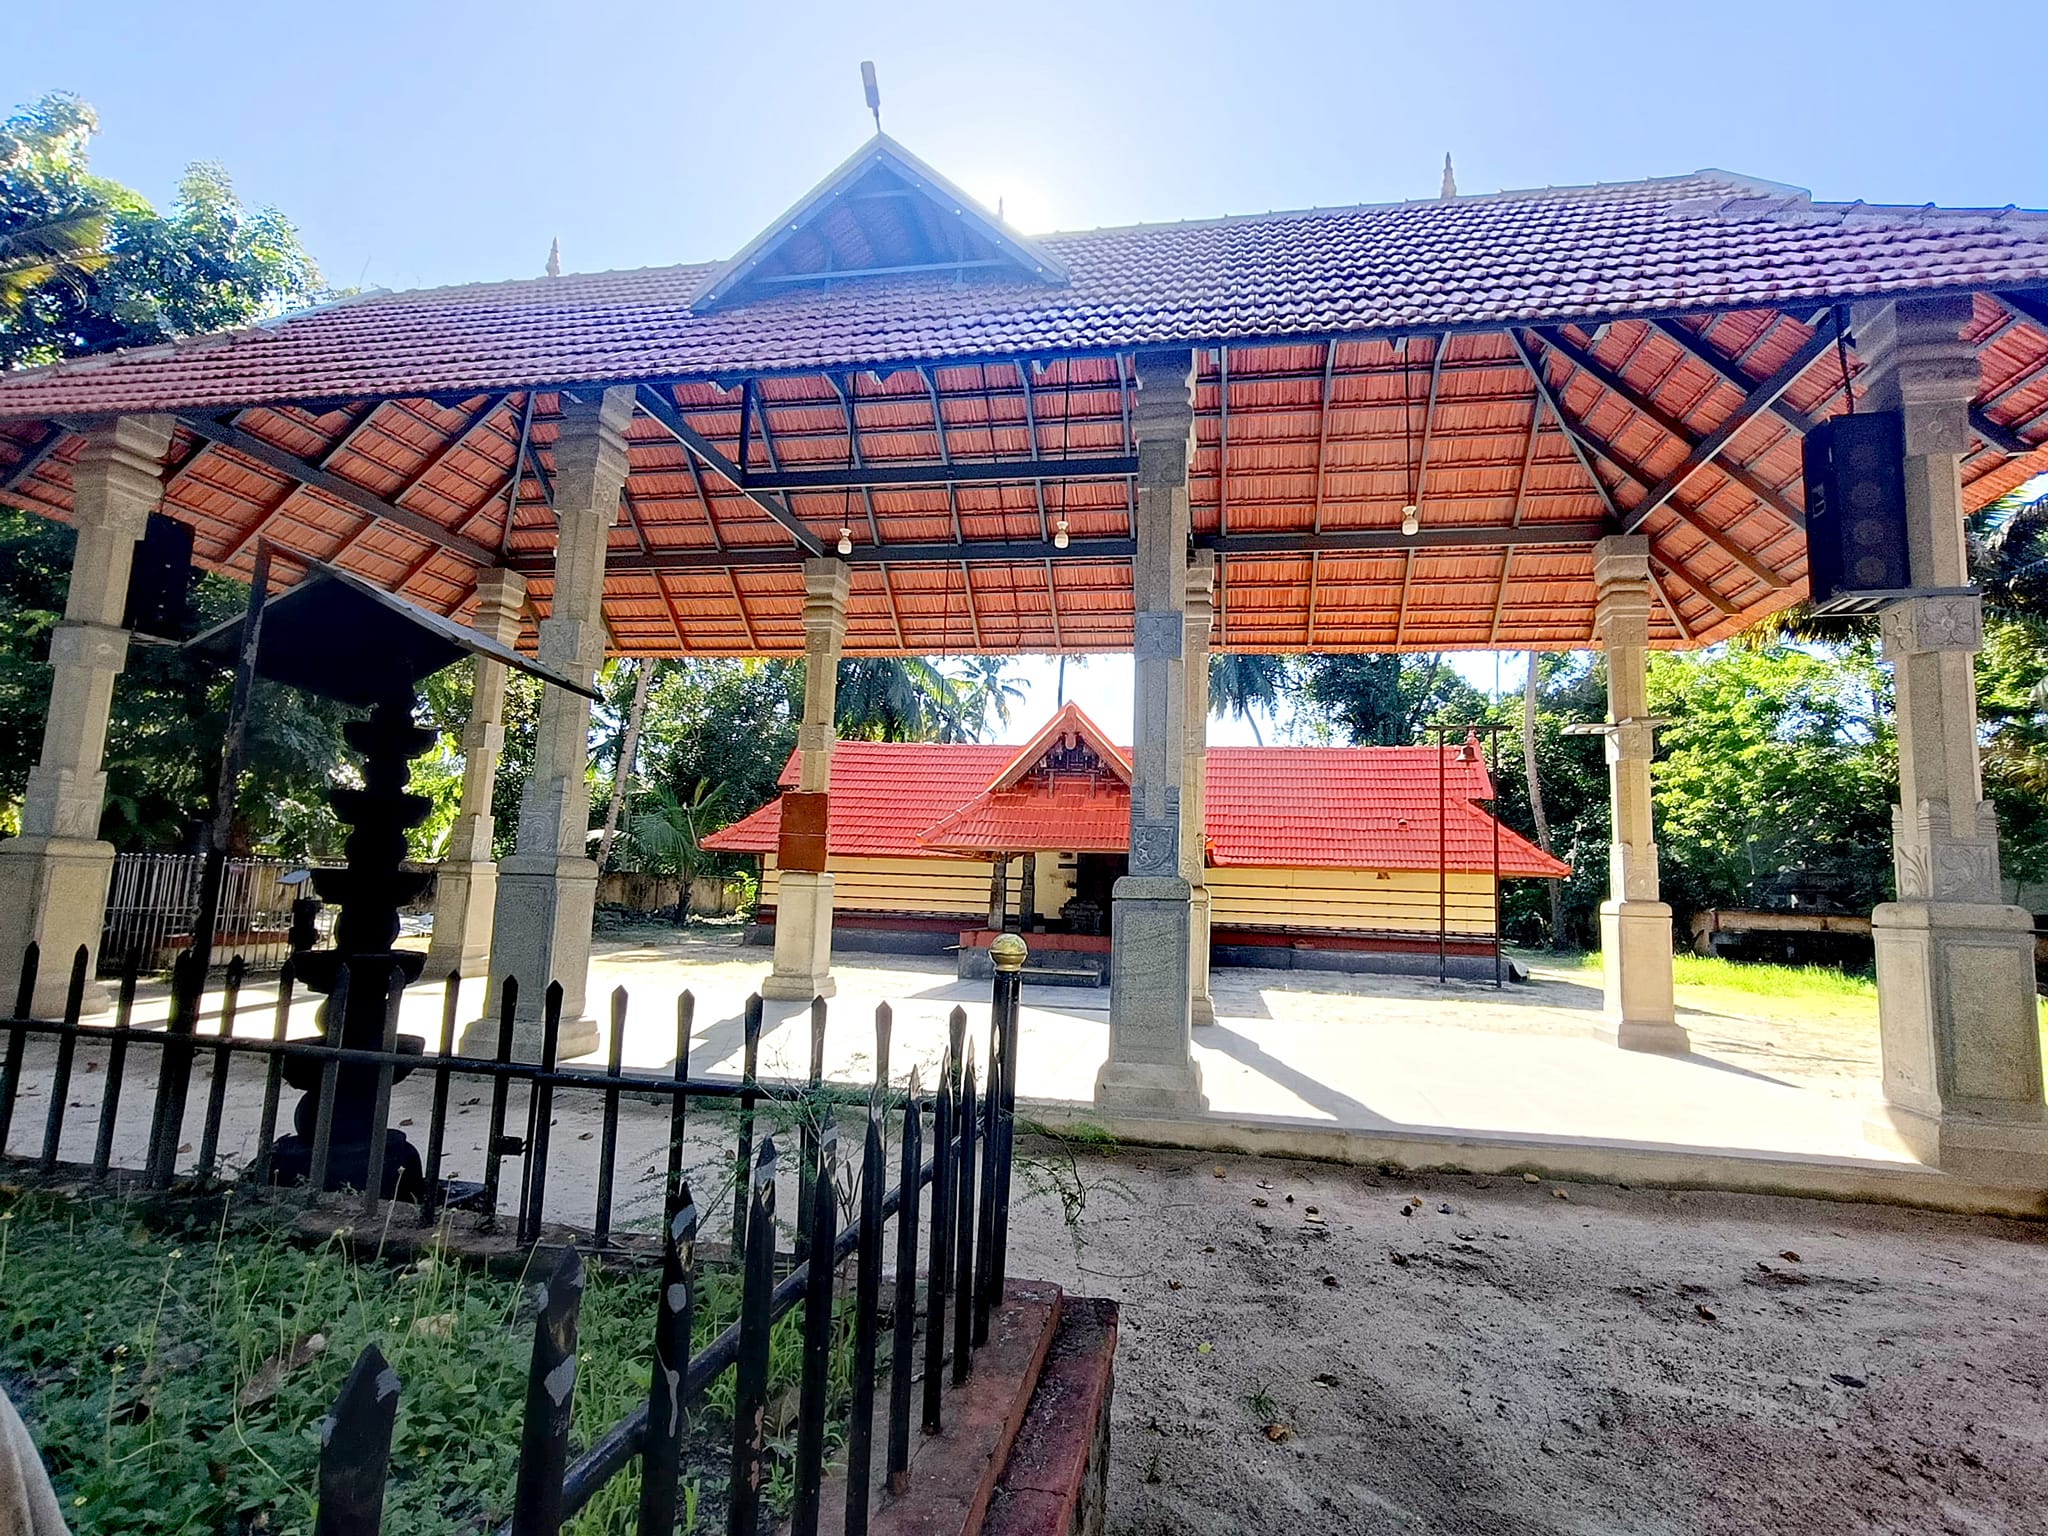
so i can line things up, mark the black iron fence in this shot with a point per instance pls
(954, 1139)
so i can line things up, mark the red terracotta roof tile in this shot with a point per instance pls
(1703, 241)
(1292, 807)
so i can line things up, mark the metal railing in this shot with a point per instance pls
(153, 906)
(968, 1128)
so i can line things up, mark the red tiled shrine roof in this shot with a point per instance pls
(1531, 368)
(1277, 807)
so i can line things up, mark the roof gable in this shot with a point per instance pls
(1065, 732)
(882, 214)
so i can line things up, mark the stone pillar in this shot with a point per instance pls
(803, 897)
(466, 884)
(1194, 780)
(53, 877)
(1151, 1067)
(1635, 925)
(547, 888)
(1955, 964)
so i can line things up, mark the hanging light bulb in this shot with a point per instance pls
(845, 540)
(1059, 534)
(1411, 519)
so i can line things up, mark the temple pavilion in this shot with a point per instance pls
(1558, 418)
(1352, 858)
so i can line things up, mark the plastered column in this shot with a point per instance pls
(803, 896)
(53, 877)
(1955, 964)
(1635, 923)
(466, 884)
(1198, 617)
(547, 888)
(1151, 1066)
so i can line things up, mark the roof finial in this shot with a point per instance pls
(555, 257)
(1450, 187)
(872, 89)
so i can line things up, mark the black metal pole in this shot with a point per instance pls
(661, 1459)
(903, 1342)
(550, 1393)
(817, 1346)
(867, 1307)
(213, 871)
(743, 1153)
(1443, 775)
(750, 1366)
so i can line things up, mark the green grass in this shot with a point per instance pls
(126, 1344)
(1780, 981)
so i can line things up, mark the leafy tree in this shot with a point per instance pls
(1378, 700)
(87, 265)
(1245, 687)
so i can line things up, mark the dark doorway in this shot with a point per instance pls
(1095, 875)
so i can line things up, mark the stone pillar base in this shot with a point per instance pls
(803, 939)
(465, 899)
(53, 892)
(1201, 1007)
(540, 934)
(1151, 1067)
(1960, 1041)
(1640, 1013)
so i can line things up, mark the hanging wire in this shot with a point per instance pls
(1408, 414)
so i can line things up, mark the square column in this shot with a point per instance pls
(1198, 618)
(1635, 924)
(466, 884)
(803, 897)
(1151, 1067)
(1955, 964)
(547, 888)
(53, 877)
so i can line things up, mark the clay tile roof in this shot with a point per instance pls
(1293, 807)
(1705, 240)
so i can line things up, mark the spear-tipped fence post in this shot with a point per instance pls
(938, 1271)
(355, 1449)
(903, 1343)
(807, 1128)
(867, 1309)
(174, 1070)
(743, 1151)
(380, 1103)
(117, 1072)
(963, 1235)
(885, 1026)
(550, 1393)
(437, 1120)
(542, 1121)
(67, 1052)
(223, 1059)
(679, 1105)
(501, 1087)
(817, 1340)
(17, 1040)
(750, 1370)
(608, 1141)
(661, 1456)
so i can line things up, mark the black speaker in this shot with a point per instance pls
(160, 582)
(1856, 508)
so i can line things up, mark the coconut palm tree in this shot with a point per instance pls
(1243, 686)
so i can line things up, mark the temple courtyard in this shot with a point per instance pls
(1362, 1068)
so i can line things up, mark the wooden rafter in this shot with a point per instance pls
(660, 410)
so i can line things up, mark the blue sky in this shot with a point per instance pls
(440, 142)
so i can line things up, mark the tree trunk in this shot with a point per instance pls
(1530, 686)
(629, 749)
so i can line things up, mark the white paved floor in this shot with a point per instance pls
(1371, 1052)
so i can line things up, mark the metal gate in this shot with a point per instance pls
(153, 906)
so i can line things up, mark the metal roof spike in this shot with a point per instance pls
(554, 268)
(1450, 186)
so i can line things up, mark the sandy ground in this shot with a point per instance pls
(1616, 1361)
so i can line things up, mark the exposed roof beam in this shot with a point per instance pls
(1760, 398)
(1582, 440)
(1622, 390)
(658, 409)
(1222, 439)
(334, 487)
(32, 460)
(956, 472)
(1696, 346)
(1571, 437)
(1014, 552)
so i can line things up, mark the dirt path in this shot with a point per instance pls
(1616, 1361)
